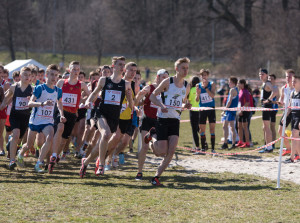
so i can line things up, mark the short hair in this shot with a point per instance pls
(52, 67)
(116, 58)
(130, 64)
(138, 72)
(195, 81)
(98, 70)
(15, 74)
(182, 60)
(1, 66)
(41, 70)
(5, 71)
(233, 80)
(263, 70)
(74, 63)
(273, 75)
(82, 72)
(94, 73)
(25, 69)
(105, 67)
(290, 71)
(202, 71)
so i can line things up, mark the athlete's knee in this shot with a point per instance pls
(106, 135)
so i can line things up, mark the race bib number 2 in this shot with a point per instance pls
(112, 97)
(21, 103)
(69, 100)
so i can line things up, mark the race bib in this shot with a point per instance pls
(69, 100)
(21, 103)
(205, 98)
(295, 103)
(112, 97)
(175, 103)
(45, 112)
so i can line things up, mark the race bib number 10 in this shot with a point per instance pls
(112, 97)
(69, 100)
(21, 103)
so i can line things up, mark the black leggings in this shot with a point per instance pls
(194, 117)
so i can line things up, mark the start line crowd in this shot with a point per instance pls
(102, 117)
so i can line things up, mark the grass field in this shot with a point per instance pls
(187, 196)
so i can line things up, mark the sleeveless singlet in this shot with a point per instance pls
(112, 96)
(150, 109)
(172, 99)
(71, 96)
(295, 102)
(205, 99)
(265, 95)
(126, 111)
(20, 100)
(44, 115)
(192, 97)
(235, 100)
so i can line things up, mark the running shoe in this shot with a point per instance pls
(245, 145)
(12, 165)
(121, 159)
(26, 154)
(20, 160)
(130, 151)
(155, 181)
(286, 152)
(139, 176)
(83, 168)
(289, 160)
(213, 151)
(39, 167)
(149, 135)
(2, 153)
(224, 146)
(64, 156)
(197, 152)
(107, 167)
(51, 164)
(232, 146)
(115, 162)
(296, 158)
(97, 162)
(100, 170)
(240, 143)
(266, 150)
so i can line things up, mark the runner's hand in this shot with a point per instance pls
(187, 106)
(48, 103)
(63, 119)
(164, 110)
(88, 105)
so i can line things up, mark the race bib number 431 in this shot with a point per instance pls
(21, 103)
(69, 100)
(112, 97)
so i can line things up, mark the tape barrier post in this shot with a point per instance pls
(281, 142)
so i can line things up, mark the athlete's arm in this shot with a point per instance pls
(93, 96)
(61, 112)
(8, 95)
(6, 86)
(161, 88)
(290, 103)
(141, 94)
(198, 92)
(230, 98)
(269, 88)
(187, 104)
(60, 83)
(281, 99)
(85, 89)
(128, 93)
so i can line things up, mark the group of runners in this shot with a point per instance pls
(102, 117)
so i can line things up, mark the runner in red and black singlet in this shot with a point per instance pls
(149, 119)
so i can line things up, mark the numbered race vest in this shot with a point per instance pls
(172, 99)
(20, 100)
(295, 102)
(126, 111)
(150, 109)
(112, 96)
(71, 96)
(44, 115)
(235, 100)
(205, 99)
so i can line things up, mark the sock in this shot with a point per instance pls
(54, 154)
(203, 140)
(213, 140)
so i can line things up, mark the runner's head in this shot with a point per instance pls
(94, 75)
(182, 66)
(5, 75)
(296, 82)
(195, 81)
(242, 83)
(138, 77)
(118, 64)
(106, 71)
(74, 68)
(232, 81)
(81, 76)
(272, 78)
(288, 75)
(41, 75)
(52, 73)
(161, 75)
(204, 73)
(25, 74)
(130, 70)
(16, 76)
(263, 74)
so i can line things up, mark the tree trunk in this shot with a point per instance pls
(10, 35)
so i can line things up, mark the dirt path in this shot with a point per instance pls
(264, 167)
